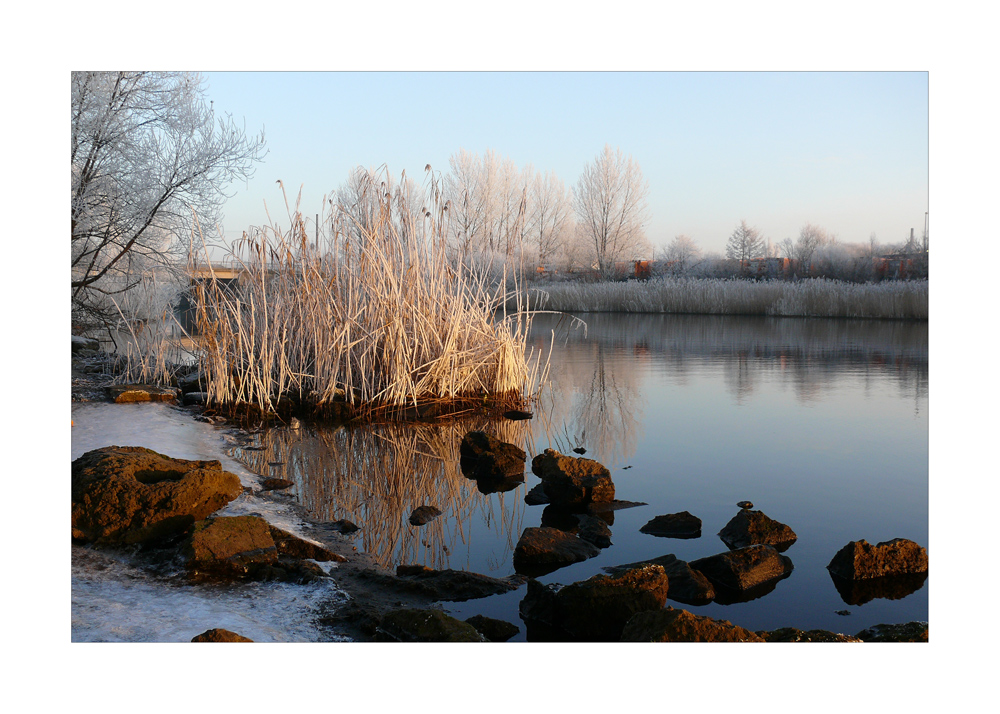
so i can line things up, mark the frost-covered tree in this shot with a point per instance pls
(610, 204)
(745, 243)
(549, 221)
(147, 154)
(682, 251)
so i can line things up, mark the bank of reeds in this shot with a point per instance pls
(702, 296)
(373, 316)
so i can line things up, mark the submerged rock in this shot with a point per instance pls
(687, 585)
(493, 630)
(754, 528)
(542, 550)
(860, 560)
(452, 585)
(423, 515)
(907, 632)
(219, 635)
(275, 484)
(744, 568)
(130, 494)
(791, 634)
(573, 481)
(517, 415)
(674, 525)
(425, 626)
(596, 609)
(344, 526)
(670, 625)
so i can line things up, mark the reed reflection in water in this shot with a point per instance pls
(375, 475)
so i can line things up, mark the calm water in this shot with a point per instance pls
(821, 423)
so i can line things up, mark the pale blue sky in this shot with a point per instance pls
(844, 150)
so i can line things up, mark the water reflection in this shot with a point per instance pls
(859, 592)
(376, 475)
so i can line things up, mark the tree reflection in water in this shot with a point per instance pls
(375, 476)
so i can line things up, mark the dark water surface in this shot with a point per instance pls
(822, 424)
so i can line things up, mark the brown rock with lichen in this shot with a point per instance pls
(860, 560)
(219, 635)
(670, 625)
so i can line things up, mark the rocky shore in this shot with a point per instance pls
(167, 508)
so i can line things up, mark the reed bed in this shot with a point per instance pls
(818, 297)
(380, 319)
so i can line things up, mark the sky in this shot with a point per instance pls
(847, 151)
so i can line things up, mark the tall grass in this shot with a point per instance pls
(807, 298)
(376, 317)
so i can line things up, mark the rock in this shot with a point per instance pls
(754, 528)
(606, 508)
(486, 457)
(81, 344)
(791, 634)
(670, 625)
(674, 525)
(573, 481)
(745, 504)
(295, 547)
(275, 484)
(452, 585)
(687, 585)
(193, 382)
(200, 398)
(425, 626)
(423, 515)
(219, 635)
(493, 630)
(907, 632)
(744, 568)
(517, 414)
(542, 550)
(344, 526)
(895, 587)
(130, 494)
(232, 546)
(128, 393)
(580, 450)
(859, 560)
(596, 609)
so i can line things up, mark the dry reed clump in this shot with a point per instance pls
(817, 297)
(379, 320)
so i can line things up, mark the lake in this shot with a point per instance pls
(821, 423)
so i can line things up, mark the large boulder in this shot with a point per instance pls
(674, 525)
(687, 585)
(670, 625)
(569, 481)
(408, 625)
(744, 568)
(542, 550)
(596, 609)
(130, 494)
(860, 560)
(484, 457)
(754, 528)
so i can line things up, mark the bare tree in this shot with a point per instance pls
(146, 152)
(549, 220)
(744, 244)
(682, 252)
(610, 204)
